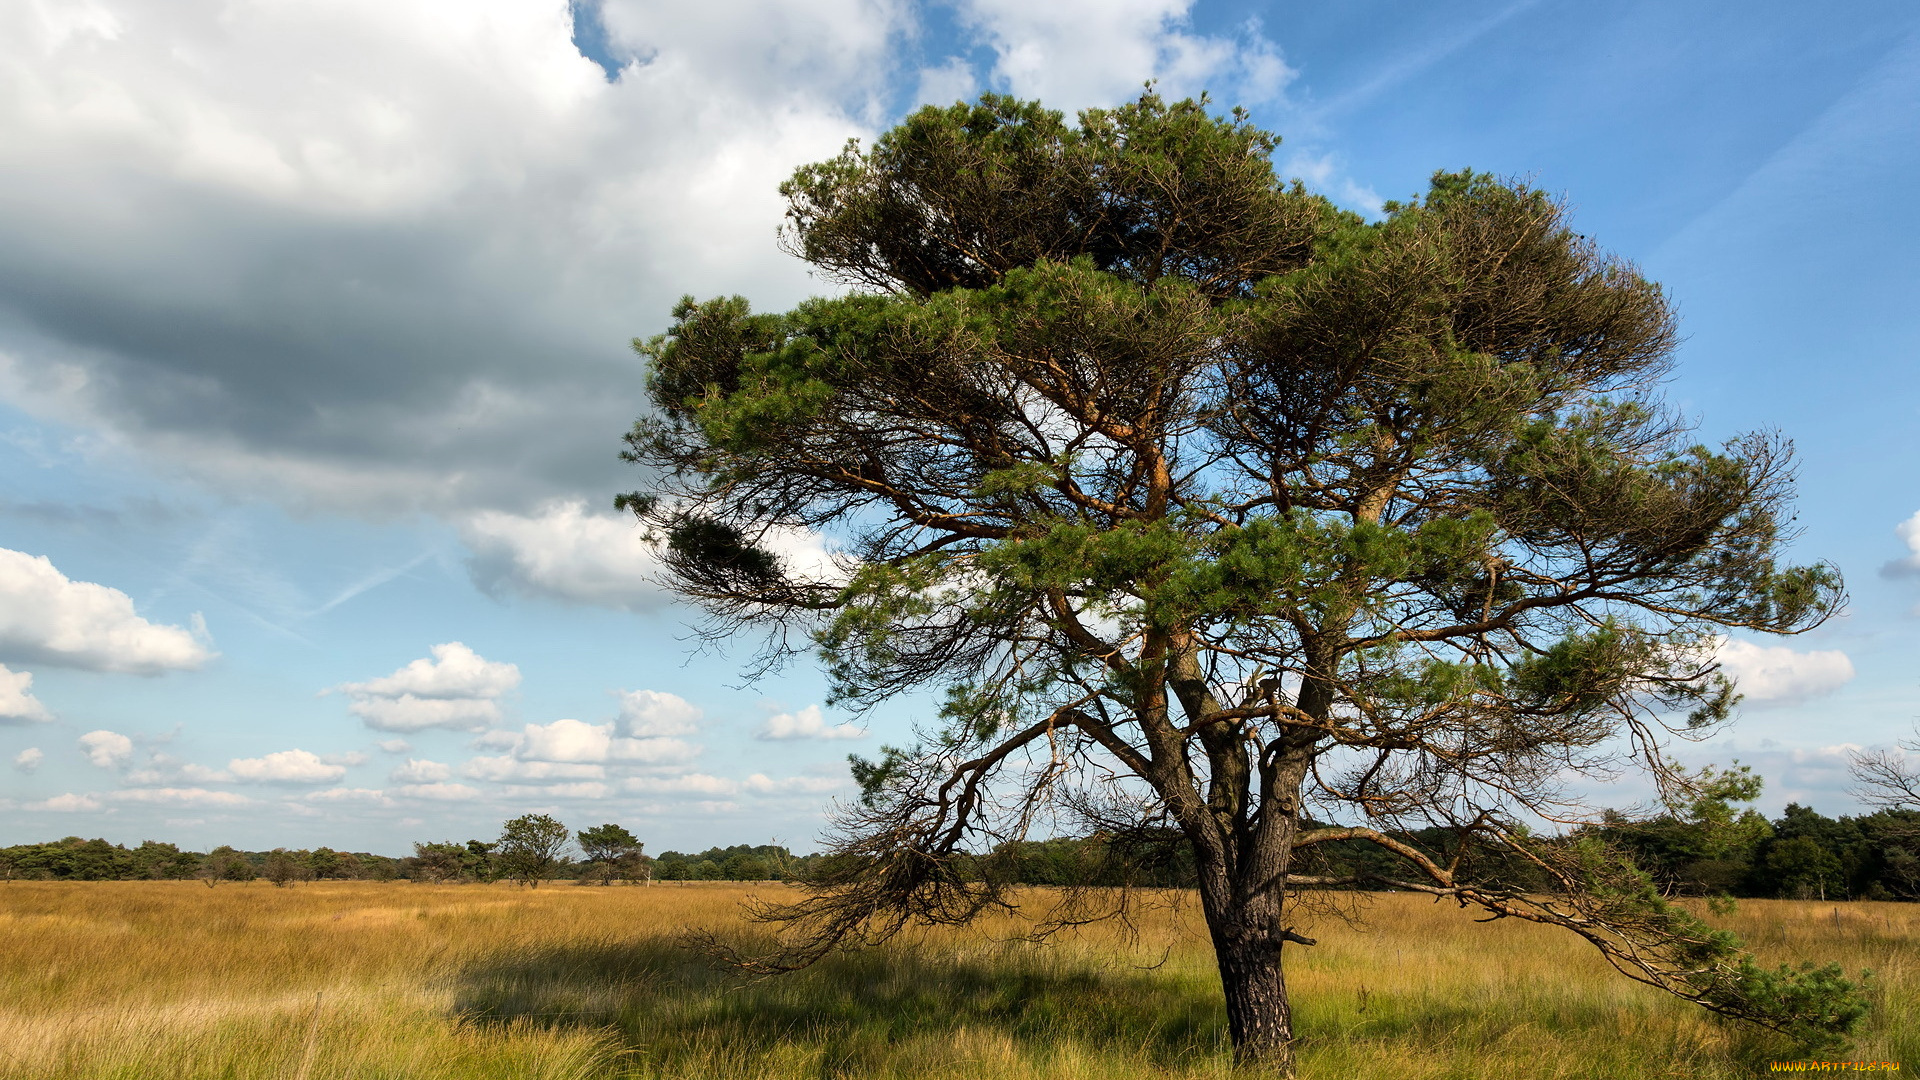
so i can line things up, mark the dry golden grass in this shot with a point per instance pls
(361, 980)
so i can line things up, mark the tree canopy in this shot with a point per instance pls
(530, 848)
(612, 850)
(1217, 511)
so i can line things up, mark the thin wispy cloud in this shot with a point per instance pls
(372, 581)
(1401, 69)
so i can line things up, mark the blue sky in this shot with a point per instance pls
(313, 364)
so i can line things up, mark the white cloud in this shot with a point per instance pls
(286, 767)
(762, 784)
(68, 803)
(576, 742)
(563, 552)
(17, 703)
(654, 752)
(685, 784)
(49, 618)
(454, 671)
(394, 746)
(447, 221)
(1076, 53)
(585, 790)
(652, 714)
(457, 689)
(1777, 674)
(1810, 775)
(1326, 175)
(566, 740)
(107, 749)
(509, 768)
(1909, 533)
(805, 555)
(171, 796)
(946, 83)
(410, 713)
(29, 759)
(418, 771)
(165, 770)
(438, 792)
(807, 724)
(444, 211)
(366, 795)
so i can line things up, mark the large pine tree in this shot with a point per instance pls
(1217, 511)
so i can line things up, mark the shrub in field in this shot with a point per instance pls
(224, 863)
(281, 868)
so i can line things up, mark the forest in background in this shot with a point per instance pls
(1706, 851)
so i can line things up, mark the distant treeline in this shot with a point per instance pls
(77, 859)
(740, 862)
(1802, 854)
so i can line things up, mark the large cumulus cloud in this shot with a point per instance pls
(1776, 674)
(376, 258)
(46, 617)
(454, 688)
(373, 256)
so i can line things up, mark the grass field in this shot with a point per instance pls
(366, 980)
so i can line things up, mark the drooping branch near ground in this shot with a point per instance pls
(1595, 892)
(904, 854)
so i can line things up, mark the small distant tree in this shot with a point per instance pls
(224, 864)
(529, 848)
(212, 868)
(281, 868)
(479, 861)
(324, 862)
(611, 852)
(436, 863)
(162, 861)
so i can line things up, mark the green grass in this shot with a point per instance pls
(158, 979)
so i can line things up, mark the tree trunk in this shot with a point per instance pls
(1259, 1017)
(1247, 937)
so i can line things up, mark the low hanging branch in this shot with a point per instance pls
(1601, 896)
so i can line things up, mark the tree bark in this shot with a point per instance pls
(1247, 935)
(1259, 1016)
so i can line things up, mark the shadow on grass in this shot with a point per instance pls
(850, 1011)
(910, 1010)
